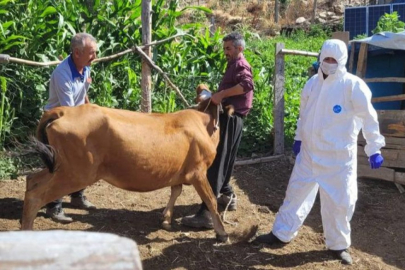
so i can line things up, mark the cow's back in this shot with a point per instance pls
(150, 149)
(132, 150)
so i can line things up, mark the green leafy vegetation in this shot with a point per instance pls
(41, 31)
(8, 167)
(360, 36)
(389, 22)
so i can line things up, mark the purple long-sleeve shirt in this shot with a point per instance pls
(238, 71)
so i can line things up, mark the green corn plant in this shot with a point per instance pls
(165, 103)
(6, 112)
(42, 30)
(3, 85)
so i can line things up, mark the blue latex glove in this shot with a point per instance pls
(297, 147)
(376, 161)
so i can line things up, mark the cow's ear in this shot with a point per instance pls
(198, 89)
(202, 87)
(230, 110)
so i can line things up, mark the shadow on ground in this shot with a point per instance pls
(377, 225)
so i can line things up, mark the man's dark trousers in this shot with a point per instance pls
(219, 174)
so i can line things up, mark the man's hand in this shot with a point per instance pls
(376, 161)
(217, 97)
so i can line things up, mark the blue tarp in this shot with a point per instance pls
(385, 40)
(386, 58)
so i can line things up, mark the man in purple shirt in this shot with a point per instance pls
(236, 89)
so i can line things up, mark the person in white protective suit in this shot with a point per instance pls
(335, 106)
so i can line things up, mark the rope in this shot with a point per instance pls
(206, 107)
(219, 109)
(226, 210)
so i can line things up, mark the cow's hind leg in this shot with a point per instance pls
(31, 208)
(43, 188)
(33, 203)
(204, 190)
(168, 212)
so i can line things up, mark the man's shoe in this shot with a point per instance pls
(343, 255)
(230, 201)
(201, 220)
(57, 214)
(82, 203)
(269, 239)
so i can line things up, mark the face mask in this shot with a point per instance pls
(329, 69)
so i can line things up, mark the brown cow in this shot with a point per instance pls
(130, 150)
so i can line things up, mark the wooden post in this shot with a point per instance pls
(362, 61)
(342, 35)
(146, 78)
(212, 26)
(278, 110)
(314, 11)
(351, 58)
(276, 11)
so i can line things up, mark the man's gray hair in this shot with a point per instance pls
(79, 41)
(236, 38)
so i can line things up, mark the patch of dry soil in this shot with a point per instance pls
(378, 224)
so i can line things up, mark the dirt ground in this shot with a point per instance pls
(378, 224)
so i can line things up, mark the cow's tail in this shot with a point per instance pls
(40, 144)
(46, 152)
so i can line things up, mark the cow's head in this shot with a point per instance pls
(204, 104)
(203, 99)
(203, 93)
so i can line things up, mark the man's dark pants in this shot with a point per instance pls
(219, 174)
(58, 203)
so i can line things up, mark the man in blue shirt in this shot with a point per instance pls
(69, 84)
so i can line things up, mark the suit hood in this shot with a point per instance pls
(336, 49)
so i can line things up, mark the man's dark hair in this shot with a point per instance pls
(236, 38)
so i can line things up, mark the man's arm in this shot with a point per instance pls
(233, 91)
(86, 99)
(244, 80)
(306, 91)
(361, 98)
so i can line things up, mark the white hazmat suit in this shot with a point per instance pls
(332, 113)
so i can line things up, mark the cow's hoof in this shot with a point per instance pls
(166, 226)
(222, 238)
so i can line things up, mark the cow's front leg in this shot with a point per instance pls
(205, 191)
(168, 212)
